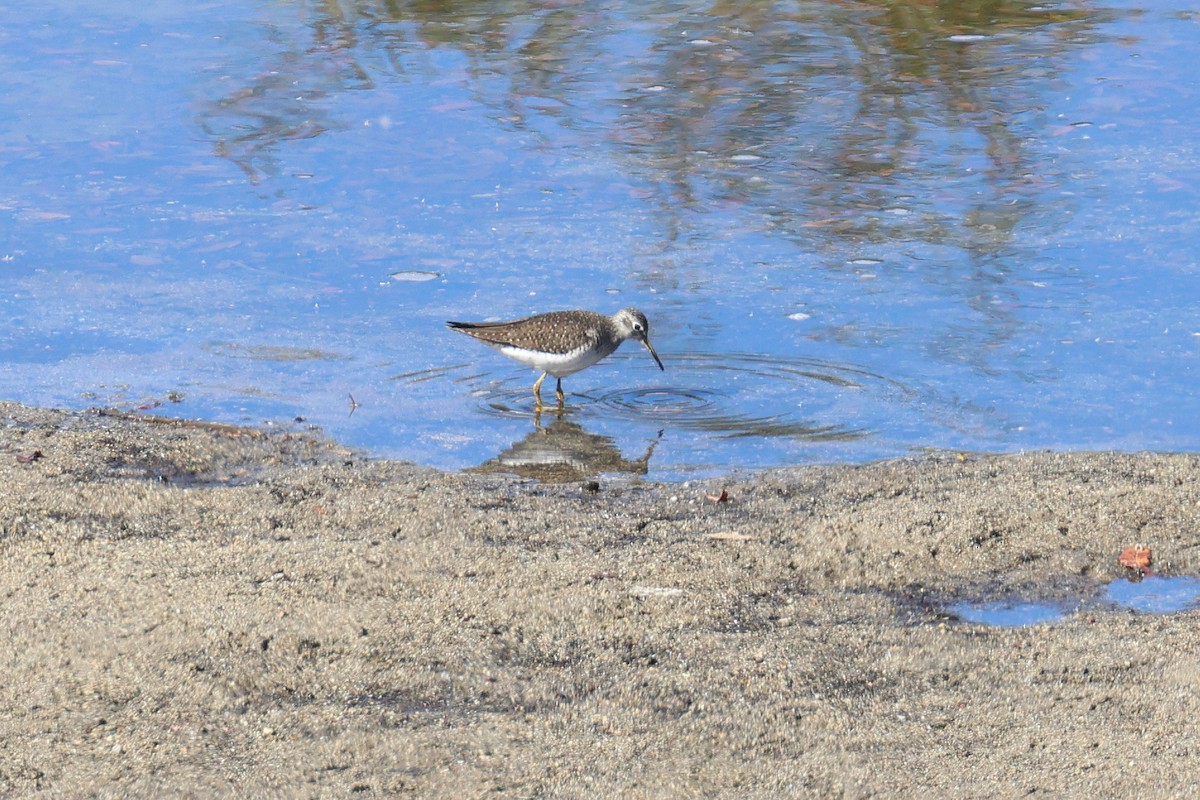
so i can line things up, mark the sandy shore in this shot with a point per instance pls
(198, 611)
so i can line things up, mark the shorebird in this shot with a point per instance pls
(561, 343)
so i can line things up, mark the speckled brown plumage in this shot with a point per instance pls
(555, 332)
(561, 343)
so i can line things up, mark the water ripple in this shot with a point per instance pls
(727, 395)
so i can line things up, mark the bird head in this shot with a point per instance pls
(632, 324)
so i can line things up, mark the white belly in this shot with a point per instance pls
(558, 364)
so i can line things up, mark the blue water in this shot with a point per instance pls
(857, 232)
(1008, 613)
(1153, 594)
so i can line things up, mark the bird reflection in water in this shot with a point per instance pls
(564, 451)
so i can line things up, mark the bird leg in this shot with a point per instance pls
(537, 390)
(558, 391)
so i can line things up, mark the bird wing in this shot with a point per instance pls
(555, 332)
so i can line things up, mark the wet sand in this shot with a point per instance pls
(198, 611)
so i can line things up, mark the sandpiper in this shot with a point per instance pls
(561, 342)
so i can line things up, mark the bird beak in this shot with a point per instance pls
(657, 360)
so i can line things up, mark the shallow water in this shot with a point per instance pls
(1008, 613)
(857, 231)
(1156, 594)
(1153, 594)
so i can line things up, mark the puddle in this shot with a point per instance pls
(1151, 595)
(1007, 614)
(1155, 595)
